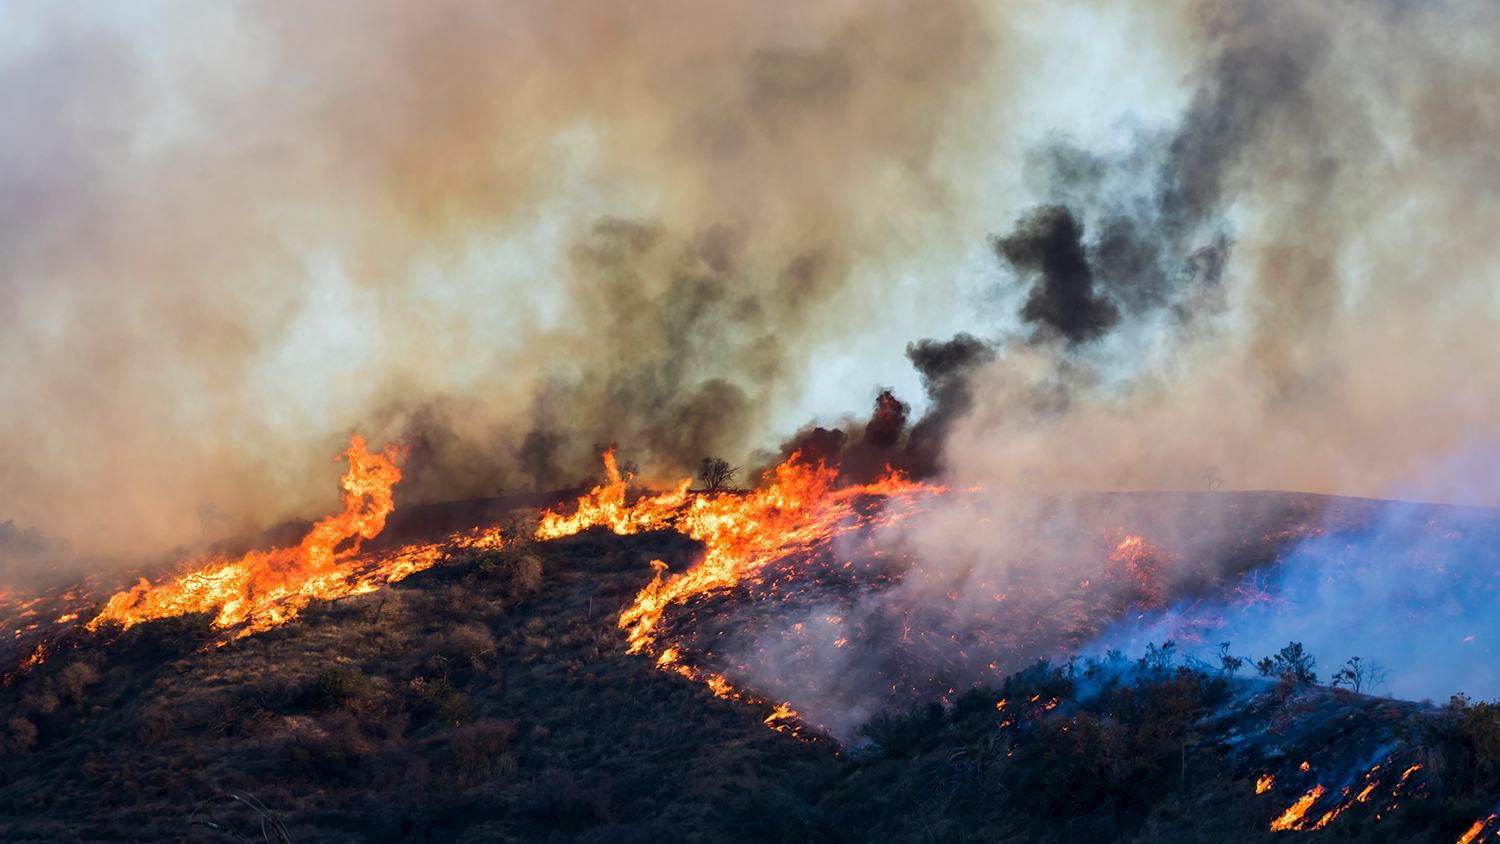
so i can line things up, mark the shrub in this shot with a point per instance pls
(472, 641)
(1358, 675)
(476, 746)
(442, 703)
(155, 725)
(340, 687)
(515, 566)
(1460, 742)
(75, 678)
(1041, 680)
(563, 802)
(979, 699)
(896, 734)
(1119, 751)
(1293, 665)
(20, 735)
(1229, 664)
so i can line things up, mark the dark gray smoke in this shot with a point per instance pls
(1048, 242)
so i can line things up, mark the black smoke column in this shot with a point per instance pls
(1049, 241)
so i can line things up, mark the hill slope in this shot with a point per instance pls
(493, 699)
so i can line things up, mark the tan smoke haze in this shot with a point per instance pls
(517, 231)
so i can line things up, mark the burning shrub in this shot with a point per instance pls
(1040, 680)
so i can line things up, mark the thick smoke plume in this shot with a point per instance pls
(508, 233)
(1290, 288)
(1292, 284)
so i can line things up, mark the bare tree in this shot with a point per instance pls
(1212, 477)
(716, 474)
(1359, 675)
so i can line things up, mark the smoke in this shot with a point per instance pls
(1290, 287)
(1292, 284)
(1050, 242)
(1410, 591)
(972, 587)
(511, 232)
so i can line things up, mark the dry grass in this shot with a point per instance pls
(495, 702)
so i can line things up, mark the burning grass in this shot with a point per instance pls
(471, 702)
(611, 679)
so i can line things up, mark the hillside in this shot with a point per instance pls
(492, 698)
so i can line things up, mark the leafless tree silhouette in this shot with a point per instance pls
(716, 474)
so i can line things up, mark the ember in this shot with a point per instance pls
(1292, 817)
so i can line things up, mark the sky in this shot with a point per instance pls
(233, 234)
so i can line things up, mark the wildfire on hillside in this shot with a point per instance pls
(800, 560)
(261, 590)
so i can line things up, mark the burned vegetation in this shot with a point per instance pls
(493, 697)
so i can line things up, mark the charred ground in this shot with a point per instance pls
(492, 698)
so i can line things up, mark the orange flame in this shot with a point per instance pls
(802, 507)
(260, 590)
(1263, 784)
(605, 505)
(1475, 830)
(1292, 818)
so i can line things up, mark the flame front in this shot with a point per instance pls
(1292, 817)
(1475, 830)
(605, 505)
(263, 589)
(801, 508)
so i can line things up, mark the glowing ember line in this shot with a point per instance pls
(1291, 818)
(1475, 830)
(1334, 812)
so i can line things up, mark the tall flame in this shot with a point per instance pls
(802, 507)
(605, 505)
(263, 589)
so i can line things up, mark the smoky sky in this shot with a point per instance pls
(514, 233)
(506, 233)
(1288, 282)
